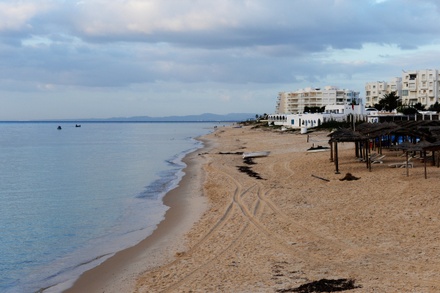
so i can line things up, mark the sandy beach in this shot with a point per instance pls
(286, 222)
(187, 204)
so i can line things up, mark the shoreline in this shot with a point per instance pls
(288, 220)
(186, 204)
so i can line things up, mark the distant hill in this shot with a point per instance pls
(208, 117)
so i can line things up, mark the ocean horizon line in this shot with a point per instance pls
(206, 117)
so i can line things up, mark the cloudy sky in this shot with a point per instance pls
(120, 58)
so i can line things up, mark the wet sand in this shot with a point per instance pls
(119, 273)
(298, 224)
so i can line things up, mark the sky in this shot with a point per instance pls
(62, 59)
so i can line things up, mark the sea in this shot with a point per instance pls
(72, 197)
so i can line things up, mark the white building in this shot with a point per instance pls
(420, 86)
(296, 102)
(415, 86)
(375, 91)
(309, 120)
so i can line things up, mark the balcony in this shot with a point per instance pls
(412, 86)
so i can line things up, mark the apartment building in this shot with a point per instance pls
(415, 86)
(420, 86)
(376, 90)
(295, 102)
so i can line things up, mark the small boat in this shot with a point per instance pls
(77, 125)
(318, 148)
(256, 154)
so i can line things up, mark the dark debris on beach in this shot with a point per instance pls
(324, 285)
(349, 177)
(249, 161)
(249, 171)
(230, 153)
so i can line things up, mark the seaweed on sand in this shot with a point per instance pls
(248, 170)
(349, 177)
(324, 285)
(230, 153)
(249, 161)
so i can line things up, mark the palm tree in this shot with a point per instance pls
(435, 107)
(390, 101)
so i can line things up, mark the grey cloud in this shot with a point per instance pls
(229, 42)
(345, 24)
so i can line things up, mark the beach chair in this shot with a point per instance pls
(402, 164)
(377, 159)
(371, 156)
(360, 159)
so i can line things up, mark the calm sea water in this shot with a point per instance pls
(70, 198)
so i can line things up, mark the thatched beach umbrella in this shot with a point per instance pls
(379, 131)
(428, 146)
(406, 146)
(421, 147)
(411, 147)
(345, 135)
(435, 146)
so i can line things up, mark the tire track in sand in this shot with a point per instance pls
(231, 208)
